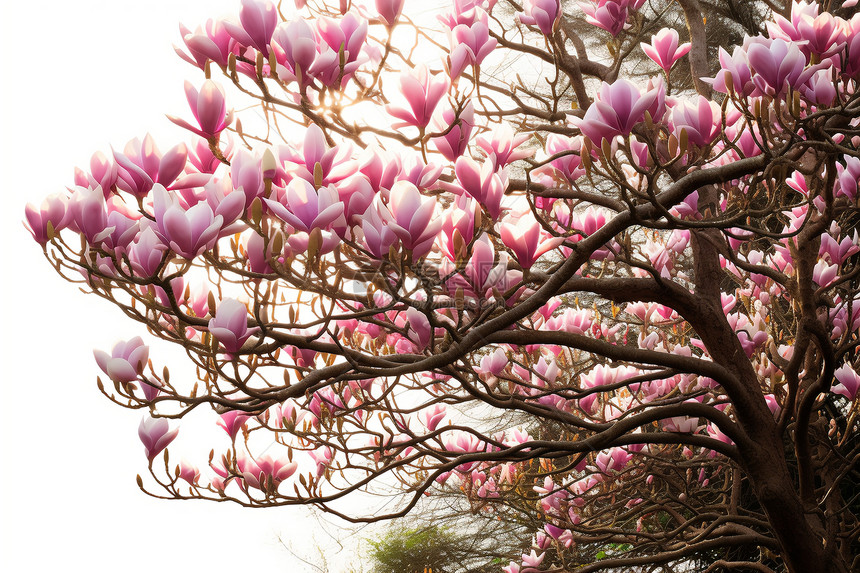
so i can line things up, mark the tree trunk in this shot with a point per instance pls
(800, 536)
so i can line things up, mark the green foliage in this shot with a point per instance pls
(416, 550)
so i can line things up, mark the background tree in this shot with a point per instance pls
(419, 550)
(669, 287)
(473, 539)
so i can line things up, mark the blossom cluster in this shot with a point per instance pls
(455, 257)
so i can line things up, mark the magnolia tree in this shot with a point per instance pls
(650, 285)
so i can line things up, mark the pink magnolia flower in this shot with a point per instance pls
(422, 92)
(339, 49)
(527, 240)
(126, 360)
(786, 29)
(700, 118)
(328, 66)
(389, 10)
(848, 176)
(103, 173)
(209, 107)
(688, 208)
(215, 43)
(659, 257)
(466, 12)
(232, 421)
(416, 171)
(264, 473)
(481, 272)
(53, 210)
(814, 33)
(606, 14)
(618, 108)
(678, 241)
(306, 208)
(850, 66)
(501, 145)
(324, 241)
(819, 88)
(823, 36)
(419, 329)
(664, 48)
(120, 226)
(327, 397)
(825, 274)
(464, 442)
(483, 182)
(717, 434)
(410, 216)
(544, 372)
(285, 415)
(88, 214)
(155, 433)
(589, 221)
(848, 382)
(553, 530)
(778, 65)
(147, 253)
(533, 559)
(188, 233)
(735, 74)
(541, 13)
(470, 45)
(246, 175)
(345, 34)
(380, 167)
(434, 416)
(602, 375)
(295, 47)
(316, 158)
(772, 404)
(197, 301)
(223, 201)
(202, 160)
(681, 424)
(220, 467)
(578, 321)
(257, 21)
(842, 320)
(548, 490)
(378, 236)
(141, 165)
(746, 137)
(322, 458)
(838, 251)
(455, 142)
(303, 357)
(188, 473)
(612, 460)
(230, 325)
(150, 389)
(568, 166)
(258, 253)
(458, 227)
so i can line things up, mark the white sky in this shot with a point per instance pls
(79, 76)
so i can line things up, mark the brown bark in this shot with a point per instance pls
(698, 54)
(800, 535)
